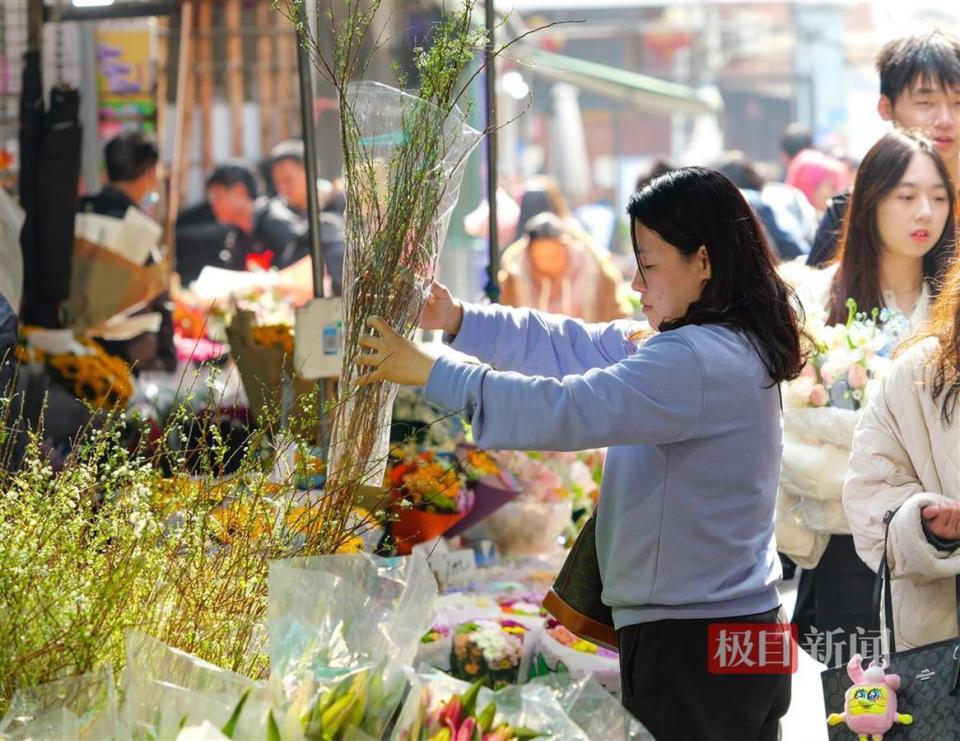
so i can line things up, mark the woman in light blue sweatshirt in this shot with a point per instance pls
(691, 417)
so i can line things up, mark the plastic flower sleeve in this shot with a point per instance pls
(594, 709)
(405, 160)
(341, 628)
(167, 690)
(83, 707)
(360, 608)
(435, 702)
(816, 448)
(597, 712)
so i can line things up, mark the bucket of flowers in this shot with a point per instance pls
(560, 651)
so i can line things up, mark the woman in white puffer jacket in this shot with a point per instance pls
(906, 460)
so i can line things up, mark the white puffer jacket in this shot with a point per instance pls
(905, 457)
(816, 446)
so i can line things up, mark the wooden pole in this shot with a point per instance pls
(265, 63)
(285, 69)
(205, 73)
(234, 13)
(163, 90)
(178, 165)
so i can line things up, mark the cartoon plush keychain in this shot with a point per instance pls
(870, 705)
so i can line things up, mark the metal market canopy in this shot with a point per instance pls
(642, 91)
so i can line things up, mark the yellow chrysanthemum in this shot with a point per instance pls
(353, 545)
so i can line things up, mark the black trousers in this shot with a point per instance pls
(665, 683)
(834, 611)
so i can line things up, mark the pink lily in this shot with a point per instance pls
(465, 732)
(452, 713)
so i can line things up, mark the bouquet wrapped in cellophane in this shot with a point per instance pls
(821, 410)
(341, 631)
(407, 157)
(404, 156)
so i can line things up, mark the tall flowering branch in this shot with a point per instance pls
(403, 158)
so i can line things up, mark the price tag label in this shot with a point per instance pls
(461, 568)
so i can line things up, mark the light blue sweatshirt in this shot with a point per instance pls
(693, 426)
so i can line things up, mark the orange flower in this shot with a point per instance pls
(67, 366)
(482, 463)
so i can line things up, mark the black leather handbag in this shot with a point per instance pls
(575, 597)
(929, 676)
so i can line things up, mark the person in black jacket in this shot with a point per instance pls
(264, 231)
(131, 160)
(919, 91)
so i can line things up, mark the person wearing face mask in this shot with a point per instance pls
(691, 418)
(919, 91)
(131, 163)
(897, 243)
(551, 270)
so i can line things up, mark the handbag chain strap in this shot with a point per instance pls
(883, 605)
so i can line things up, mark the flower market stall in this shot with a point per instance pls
(229, 551)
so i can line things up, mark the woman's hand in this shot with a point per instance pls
(393, 358)
(943, 520)
(442, 311)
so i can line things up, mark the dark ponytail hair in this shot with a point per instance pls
(695, 206)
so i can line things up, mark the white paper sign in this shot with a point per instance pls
(450, 568)
(318, 352)
(461, 568)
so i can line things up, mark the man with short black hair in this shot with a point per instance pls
(131, 161)
(233, 228)
(919, 91)
(264, 232)
(232, 190)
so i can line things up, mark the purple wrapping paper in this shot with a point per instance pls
(488, 499)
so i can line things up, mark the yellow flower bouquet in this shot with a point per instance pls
(102, 380)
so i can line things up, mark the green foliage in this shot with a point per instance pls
(440, 66)
(230, 726)
(154, 537)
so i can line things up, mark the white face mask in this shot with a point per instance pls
(150, 200)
